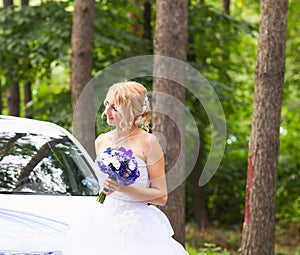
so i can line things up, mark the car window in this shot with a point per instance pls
(33, 163)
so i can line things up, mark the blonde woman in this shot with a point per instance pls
(129, 221)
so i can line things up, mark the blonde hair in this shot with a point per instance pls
(132, 103)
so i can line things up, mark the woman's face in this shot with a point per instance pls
(113, 117)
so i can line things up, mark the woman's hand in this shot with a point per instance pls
(110, 186)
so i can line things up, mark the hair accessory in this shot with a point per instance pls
(145, 105)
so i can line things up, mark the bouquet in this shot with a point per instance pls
(120, 165)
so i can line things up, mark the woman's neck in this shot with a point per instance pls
(119, 132)
(119, 135)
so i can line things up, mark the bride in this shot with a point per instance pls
(128, 222)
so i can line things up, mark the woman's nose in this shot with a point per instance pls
(106, 111)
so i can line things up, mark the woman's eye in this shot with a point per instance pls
(114, 108)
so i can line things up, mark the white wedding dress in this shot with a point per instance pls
(124, 227)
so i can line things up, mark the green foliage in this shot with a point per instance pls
(54, 107)
(288, 198)
(31, 38)
(208, 249)
(113, 34)
(52, 101)
(217, 42)
(212, 249)
(212, 36)
(191, 250)
(34, 40)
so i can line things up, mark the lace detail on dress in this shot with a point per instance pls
(124, 226)
(121, 210)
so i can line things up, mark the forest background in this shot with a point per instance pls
(35, 52)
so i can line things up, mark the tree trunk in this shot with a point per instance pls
(226, 6)
(8, 3)
(199, 192)
(81, 68)
(36, 159)
(27, 98)
(9, 144)
(25, 2)
(27, 86)
(170, 39)
(1, 101)
(13, 92)
(225, 54)
(137, 28)
(259, 222)
(147, 21)
(13, 99)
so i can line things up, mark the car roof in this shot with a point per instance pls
(25, 125)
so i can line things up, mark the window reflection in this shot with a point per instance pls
(41, 164)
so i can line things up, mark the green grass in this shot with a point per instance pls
(207, 249)
(227, 241)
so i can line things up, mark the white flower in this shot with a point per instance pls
(102, 156)
(131, 165)
(106, 161)
(113, 152)
(115, 163)
(105, 155)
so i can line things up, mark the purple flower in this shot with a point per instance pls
(120, 165)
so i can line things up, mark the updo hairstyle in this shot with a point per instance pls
(132, 103)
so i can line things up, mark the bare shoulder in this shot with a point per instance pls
(102, 141)
(152, 139)
(154, 151)
(100, 138)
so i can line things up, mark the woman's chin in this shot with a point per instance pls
(111, 123)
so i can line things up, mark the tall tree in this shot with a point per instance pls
(13, 91)
(199, 196)
(170, 40)
(1, 101)
(259, 222)
(226, 6)
(147, 34)
(8, 3)
(27, 98)
(13, 99)
(135, 17)
(81, 69)
(198, 192)
(225, 41)
(27, 86)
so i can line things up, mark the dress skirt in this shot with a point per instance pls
(122, 227)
